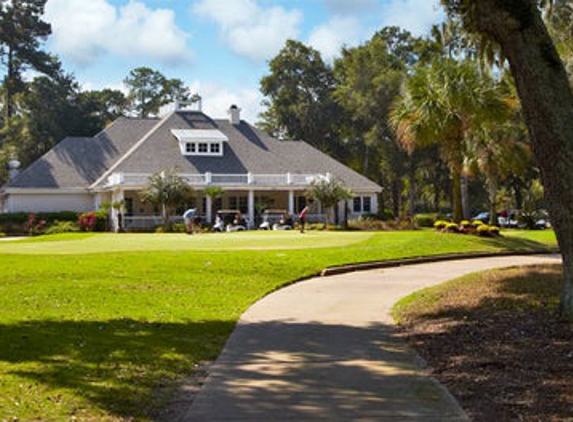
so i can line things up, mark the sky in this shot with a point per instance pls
(219, 48)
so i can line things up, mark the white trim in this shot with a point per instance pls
(43, 191)
(199, 135)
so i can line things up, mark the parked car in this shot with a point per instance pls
(506, 219)
(482, 216)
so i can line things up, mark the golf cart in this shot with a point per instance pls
(230, 221)
(276, 220)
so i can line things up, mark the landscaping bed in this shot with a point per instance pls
(495, 341)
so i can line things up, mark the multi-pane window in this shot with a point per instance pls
(366, 204)
(203, 148)
(357, 204)
(362, 204)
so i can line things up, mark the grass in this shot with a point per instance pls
(497, 333)
(100, 326)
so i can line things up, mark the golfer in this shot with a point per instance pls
(302, 218)
(189, 217)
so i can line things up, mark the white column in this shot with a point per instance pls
(251, 209)
(291, 202)
(208, 213)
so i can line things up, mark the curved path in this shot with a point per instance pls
(324, 349)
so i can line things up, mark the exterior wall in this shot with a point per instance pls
(50, 202)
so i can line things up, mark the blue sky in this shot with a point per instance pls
(220, 48)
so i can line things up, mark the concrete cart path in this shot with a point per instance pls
(324, 349)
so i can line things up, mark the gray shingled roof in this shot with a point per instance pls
(148, 146)
(78, 162)
(248, 150)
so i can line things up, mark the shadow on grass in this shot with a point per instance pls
(505, 356)
(117, 365)
(518, 244)
(299, 371)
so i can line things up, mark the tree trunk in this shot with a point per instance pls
(492, 193)
(8, 83)
(517, 186)
(547, 103)
(411, 190)
(465, 197)
(396, 196)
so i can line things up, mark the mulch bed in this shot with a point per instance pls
(500, 349)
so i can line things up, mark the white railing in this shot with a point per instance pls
(214, 179)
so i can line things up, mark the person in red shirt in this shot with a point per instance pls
(302, 218)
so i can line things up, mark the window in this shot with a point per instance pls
(243, 204)
(366, 204)
(362, 204)
(206, 142)
(357, 204)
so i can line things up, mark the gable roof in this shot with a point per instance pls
(150, 145)
(77, 162)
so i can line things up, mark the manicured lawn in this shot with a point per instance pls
(98, 326)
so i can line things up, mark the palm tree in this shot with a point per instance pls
(501, 149)
(328, 191)
(440, 104)
(168, 190)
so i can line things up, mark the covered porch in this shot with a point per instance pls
(250, 194)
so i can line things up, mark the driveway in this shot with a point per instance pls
(325, 349)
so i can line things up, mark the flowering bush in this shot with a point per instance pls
(440, 224)
(467, 227)
(87, 221)
(33, 226)
(488, 231)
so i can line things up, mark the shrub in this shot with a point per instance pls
(34, 226)
(452, 228)
(87, 221)
(487, 231)
(62, 227)
(425, 220)
(17, 222)
(440, 224)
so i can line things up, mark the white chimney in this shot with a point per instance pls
(13, 168)
(234, 115)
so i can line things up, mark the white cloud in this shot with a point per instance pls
(416, 16)
(216, 100)
(336, 33)
(250, 30)
(84, 30)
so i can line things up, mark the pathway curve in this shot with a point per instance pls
(324, 349)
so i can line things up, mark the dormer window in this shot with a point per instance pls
(200, 142)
